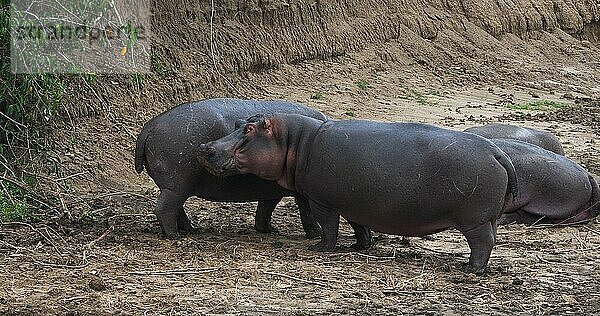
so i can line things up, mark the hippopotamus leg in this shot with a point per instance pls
(330, 224)
(364, 236)
(184, 223)
(520, 216)
(310, 226)
(169, 209)
(329, 221)
(262, 220)
(481, 240)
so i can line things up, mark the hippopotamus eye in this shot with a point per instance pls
(248, 128)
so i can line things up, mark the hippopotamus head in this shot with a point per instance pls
(255, 147)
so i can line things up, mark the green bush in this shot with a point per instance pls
(28, 106)
(362, 84)
(12, 210)
(541, 105)
(27, 99)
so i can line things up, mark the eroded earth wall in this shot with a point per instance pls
(202, 50)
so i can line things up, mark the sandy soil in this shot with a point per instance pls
(108, 257)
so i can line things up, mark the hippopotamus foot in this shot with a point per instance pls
(312, 232)
(481, 240)
(405, 241)
(262, 220)
(189, 231)
(309, 224)
(595, 211)
(270, 229)
(330, 223)
(169, 210)
(364, 237)
(323, 246)
(184, 223)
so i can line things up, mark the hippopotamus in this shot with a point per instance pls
(528, 135)
(167, 147)
(398, 178)
(552, 188)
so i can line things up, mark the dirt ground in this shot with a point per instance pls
(107, 257)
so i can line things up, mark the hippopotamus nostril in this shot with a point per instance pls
(206, 149)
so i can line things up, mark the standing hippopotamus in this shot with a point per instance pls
(552, 188)
(528, 135)
(167, 147)
(397, 178)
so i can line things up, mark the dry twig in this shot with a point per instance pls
(376, 257)
(33, 195)
(175, 272)
(295, 278)
(62, 266)
(93, 242)
(70, 176)
(48, 239)
(456, 253)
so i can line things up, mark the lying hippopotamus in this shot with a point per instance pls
(552, 188)
(398, 178)
(167, 146)
(528, 135)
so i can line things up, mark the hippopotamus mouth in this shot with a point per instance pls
(216, 162)
(221, 170)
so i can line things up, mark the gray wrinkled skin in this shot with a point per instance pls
(525, 134)
(397, 178)
(167, 148)
(552, 188)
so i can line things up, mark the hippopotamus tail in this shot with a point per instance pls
(505, 161)
(595, 199)
(140, 150)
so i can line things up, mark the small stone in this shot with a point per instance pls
(517, 281)
(568, 96)
(96, 283)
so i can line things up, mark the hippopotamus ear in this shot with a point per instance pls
(239, 123)
(268, 127)
(255, 118)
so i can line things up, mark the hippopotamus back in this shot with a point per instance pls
(525, 134)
